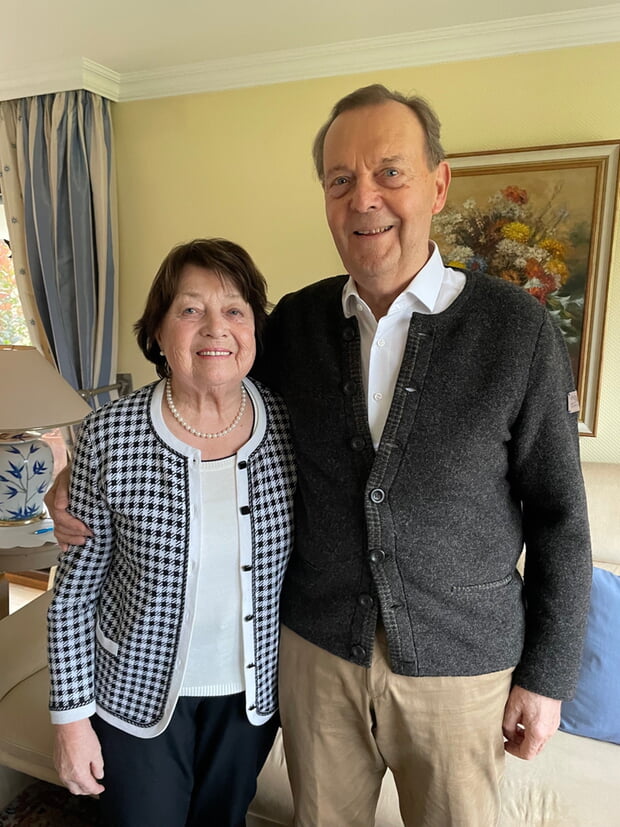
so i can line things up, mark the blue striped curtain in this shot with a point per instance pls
(64, 159)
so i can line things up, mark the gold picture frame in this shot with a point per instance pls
(542, 217)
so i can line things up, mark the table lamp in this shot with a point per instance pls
(35, 399)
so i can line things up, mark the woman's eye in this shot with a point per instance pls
(189, 311)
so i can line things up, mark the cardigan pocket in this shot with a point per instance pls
(481, 587)
(105, 642)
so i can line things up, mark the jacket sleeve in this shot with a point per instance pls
(81, 574)
(546, 473)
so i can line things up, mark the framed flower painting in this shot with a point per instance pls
(543, 219)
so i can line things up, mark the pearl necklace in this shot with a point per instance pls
(193, 431)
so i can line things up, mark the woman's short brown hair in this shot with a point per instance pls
(228, 260)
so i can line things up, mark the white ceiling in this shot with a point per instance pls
(134, 43)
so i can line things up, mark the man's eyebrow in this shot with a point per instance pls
(389, 159)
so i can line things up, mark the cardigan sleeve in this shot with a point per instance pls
(546, 472)
(81, 574)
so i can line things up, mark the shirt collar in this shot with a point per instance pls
(424, 287)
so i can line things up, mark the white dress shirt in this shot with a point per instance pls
(383, 342)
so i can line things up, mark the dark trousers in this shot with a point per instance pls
(200, 772)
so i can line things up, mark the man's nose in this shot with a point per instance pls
(366, 195)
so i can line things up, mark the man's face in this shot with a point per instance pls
(380, 194)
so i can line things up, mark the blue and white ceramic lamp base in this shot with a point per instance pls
(26, 469)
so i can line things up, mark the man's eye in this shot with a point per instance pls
(391, 173)
(340, 181)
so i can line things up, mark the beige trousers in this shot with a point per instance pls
(343, 725)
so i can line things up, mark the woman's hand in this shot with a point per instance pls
(77, 757)
(68, 530)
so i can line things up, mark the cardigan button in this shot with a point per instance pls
(358, 443)
(365, 600)
(377, 555)
(348, 334)
(358, 652)
(377, 495)
(349, 387)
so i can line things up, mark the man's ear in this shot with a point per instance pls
(443, 176)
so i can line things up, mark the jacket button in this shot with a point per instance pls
(377, 495)
(358, 652)
(243, 464)
(250, 708)
(348, 334)
(248, 617)
(357, 443)
(245, 509)
(365, 600)
(251, 666)
(349, 388)
(246, 568)
(377, 555)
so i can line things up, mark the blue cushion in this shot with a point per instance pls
(595, 710)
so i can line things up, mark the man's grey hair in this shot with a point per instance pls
(375, 95)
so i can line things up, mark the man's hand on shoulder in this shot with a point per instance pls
(67, 529)
(529, 721)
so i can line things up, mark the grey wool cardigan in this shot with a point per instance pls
(479, 455)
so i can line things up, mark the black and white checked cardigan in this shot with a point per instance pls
(120, 621)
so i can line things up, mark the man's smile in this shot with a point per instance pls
(378, 231)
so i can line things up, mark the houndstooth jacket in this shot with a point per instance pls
(121, 618)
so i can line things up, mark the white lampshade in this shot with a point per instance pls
(34, 396)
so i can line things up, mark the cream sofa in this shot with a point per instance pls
(575, 782)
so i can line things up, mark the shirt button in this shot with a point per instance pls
(377, 555)
(377, 397)
(380, 342)
(357, 443)
(377, 495)
(365, 600)
(358, 652)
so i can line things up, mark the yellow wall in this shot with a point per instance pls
(237, 164)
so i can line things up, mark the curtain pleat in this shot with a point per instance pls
(69, 219)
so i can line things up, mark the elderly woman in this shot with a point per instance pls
(163, 631)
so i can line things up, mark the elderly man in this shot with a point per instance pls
(434, 419)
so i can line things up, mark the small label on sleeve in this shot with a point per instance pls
(573, 402)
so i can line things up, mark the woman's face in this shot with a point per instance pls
(207, 335)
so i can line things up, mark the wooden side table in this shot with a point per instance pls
(23, 559)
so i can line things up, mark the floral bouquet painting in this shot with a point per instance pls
(541, 218)
(535, 243)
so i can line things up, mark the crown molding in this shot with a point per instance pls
(517, 35)
(61, 76)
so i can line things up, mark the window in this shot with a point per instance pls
(13, 326)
